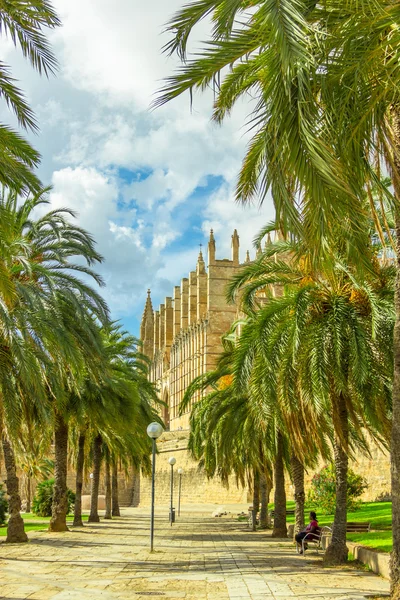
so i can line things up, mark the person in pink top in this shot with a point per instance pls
(311, 531)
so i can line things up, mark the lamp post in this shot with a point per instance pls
(180, 472)
(154, 430)
(172, 461)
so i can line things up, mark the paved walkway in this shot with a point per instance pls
(198, 558)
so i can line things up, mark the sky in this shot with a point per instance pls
(148, 185)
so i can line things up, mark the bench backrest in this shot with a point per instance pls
(288, 512)
(357, 527)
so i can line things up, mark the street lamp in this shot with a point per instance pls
(154, 430)
(180, 472)
(172, 461)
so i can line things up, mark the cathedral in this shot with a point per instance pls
(183, 337)
(183, 340)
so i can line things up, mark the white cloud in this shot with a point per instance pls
(96, 125)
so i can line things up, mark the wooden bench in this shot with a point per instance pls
(288, 512)
(355, 527)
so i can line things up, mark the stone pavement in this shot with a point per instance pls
(198, 558)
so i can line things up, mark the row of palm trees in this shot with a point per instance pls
(306, 373)
(66, 370)
(324, 118)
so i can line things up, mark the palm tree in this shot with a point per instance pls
(327, 340)
(325, 80)
(24, 23)
(239, 433)
(42, 310)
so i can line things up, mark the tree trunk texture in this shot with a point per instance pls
(58, 521)
(265, 491)
(114, 492)
(80, 462)
(94, 500)
(15, 528)
(337, 550)
(28, 494)
(256, 500)
(299, 494)
(395, 442)
(279, 529)
(107, 480)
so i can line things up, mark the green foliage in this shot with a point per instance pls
(43, 499)
(3, 506)
(322, 494)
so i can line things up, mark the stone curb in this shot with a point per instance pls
(378, 562)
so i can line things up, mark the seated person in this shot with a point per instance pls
(312, 528)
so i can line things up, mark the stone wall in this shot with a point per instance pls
(196, 488)
(375, 469)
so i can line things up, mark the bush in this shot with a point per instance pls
(322, 495)
(43, 499)
(3, 506)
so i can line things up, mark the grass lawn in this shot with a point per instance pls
(34, 523)
(379, 540)
(379, 514)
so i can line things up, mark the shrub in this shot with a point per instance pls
(3, 506)
(322, 495)
(43, 499)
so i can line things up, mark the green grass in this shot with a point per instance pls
(378, 540)
(35, 523)
(379, 514)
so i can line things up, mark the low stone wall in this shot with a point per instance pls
(196, 488)
(378, 562)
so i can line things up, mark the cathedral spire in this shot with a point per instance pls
(235, 248)
(247, 256)
(201, 267)
(211, 248)
(147, 327)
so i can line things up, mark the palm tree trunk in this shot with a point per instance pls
(337, 550)
(28, 494)
(279, 530)
(108, 489)
(256, 500)
(395, 442)
(80, 462)
(299, 494)
(15, 528)
(58, 521)
(114, 492)
(94, 501)
(265, 491)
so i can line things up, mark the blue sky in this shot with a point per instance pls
(147, 185)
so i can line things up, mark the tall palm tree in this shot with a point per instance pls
(25, 24)
(327, 338)
(43, 308)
